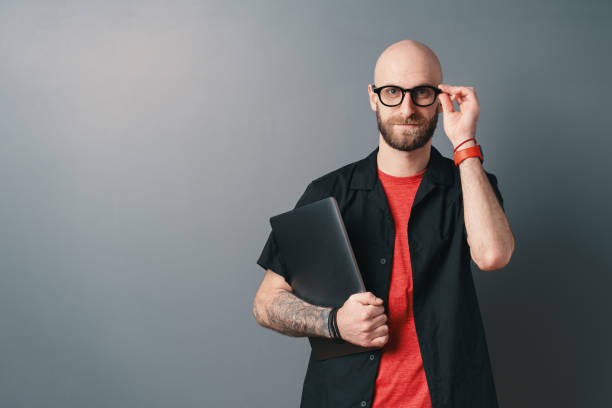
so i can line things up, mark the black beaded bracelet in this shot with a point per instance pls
(333, 326)
(335, 323)
(332, 319)
(330, 325)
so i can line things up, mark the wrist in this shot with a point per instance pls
(464, 143)
(332, 325)
(462, 155)
(469, 160)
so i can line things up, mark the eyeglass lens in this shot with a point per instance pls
(422, 95)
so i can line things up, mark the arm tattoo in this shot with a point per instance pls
(290, 315)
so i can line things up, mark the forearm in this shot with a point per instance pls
(489, 235)
(292, 316)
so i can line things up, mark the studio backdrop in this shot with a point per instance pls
(144, 146)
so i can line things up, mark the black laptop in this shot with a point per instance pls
(320, 262)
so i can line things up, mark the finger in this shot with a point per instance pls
(375, 311)
(380, 341)
(460, 94)
(379, 320)
(447, 104)
(457, 89)
(380, 331)
(367, 298)
(450, 89)
(467, 101)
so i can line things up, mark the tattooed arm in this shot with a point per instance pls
(277, 308)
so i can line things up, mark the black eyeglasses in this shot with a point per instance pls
(422, 95)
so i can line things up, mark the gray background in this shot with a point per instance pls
(144, 145)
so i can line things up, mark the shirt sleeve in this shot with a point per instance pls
(270, 257)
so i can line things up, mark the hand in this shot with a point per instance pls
(461, 125)
(361, 320)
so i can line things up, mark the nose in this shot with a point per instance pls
(407, 107)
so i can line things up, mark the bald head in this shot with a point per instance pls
(407, 63)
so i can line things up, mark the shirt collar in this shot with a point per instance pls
(438, 171)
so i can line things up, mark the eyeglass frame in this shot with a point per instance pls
(437, 91)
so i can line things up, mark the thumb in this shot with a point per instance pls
(447, 105)
(367, 298)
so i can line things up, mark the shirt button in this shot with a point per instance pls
(363, 403)
(372, 357)
(383, 261)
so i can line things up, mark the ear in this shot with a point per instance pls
(373, 97)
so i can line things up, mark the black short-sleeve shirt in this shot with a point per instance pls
(446, 312)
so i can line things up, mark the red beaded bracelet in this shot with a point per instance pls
(465, 141)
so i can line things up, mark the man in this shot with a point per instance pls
(415, 219)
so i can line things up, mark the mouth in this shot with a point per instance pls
(407, 124)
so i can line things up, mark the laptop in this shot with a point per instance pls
(320, 262)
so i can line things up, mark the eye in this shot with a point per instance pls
(391, 91)
(423, 92)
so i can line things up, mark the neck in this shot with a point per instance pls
(402, 164)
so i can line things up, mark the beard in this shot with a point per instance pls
(407, 139)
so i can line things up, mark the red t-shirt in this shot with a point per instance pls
(401, 381)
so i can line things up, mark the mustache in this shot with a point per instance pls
(408, 120)
(409, 123)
